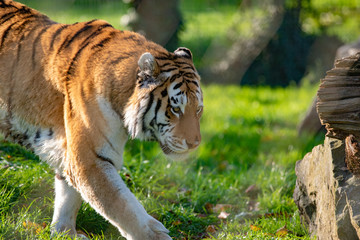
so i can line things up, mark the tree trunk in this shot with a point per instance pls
(158, 20)
(236, 59)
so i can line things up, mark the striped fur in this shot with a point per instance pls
(73, 93)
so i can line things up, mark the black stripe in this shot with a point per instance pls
(167, 114)
(158, 105)
(98, 31)
(193, 82)
(189, 67)
(165, 64)
(163, 55)
(69, 99)
(22, 26)
(37, 136)
(4, 36)
(38, 133)
(25, 10)
(4, 5)
(72, 63)
(164, 93)
(101, 43)
(182, 63)
(90, 22)
(56, 33)
(178, 85)
(119, 59)
(19, 49)
(6, 17)
(169, 69)
(174, 100)
(36, 40)
(167, 111)
(162, 58)
(51, 132)
(105, 159)
(189, 74)
(85, 43)
(20, 29)
(134, 38)
(86, 27)
(148, 108)
(153, 122)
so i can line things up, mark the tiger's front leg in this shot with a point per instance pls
(106, 192)
(95, 142)
(67, 204)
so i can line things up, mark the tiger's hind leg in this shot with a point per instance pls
(67, 204)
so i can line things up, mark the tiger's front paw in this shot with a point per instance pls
(154, 230)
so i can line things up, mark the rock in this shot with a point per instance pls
(327, 193)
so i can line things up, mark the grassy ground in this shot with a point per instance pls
(249, 140)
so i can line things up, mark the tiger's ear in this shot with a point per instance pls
(148, 65)
(183, 52)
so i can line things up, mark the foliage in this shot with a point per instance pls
(248, 140)
(331, 17)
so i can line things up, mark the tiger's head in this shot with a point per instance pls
(167, 103)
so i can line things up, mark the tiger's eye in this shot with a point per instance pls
(176, 110)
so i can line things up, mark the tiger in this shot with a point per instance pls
(76, 93)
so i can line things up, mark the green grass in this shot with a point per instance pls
(249, 138)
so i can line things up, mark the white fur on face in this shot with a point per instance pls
(133, 118)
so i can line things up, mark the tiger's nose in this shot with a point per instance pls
(193, 143)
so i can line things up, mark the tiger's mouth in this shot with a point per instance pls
(173, 154)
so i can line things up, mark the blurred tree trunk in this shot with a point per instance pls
(236, 59)
(158, 20)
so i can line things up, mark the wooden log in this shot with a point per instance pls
(351, 117)
(334, 93)
(338, 103)
(340, 81)
(343, 72)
